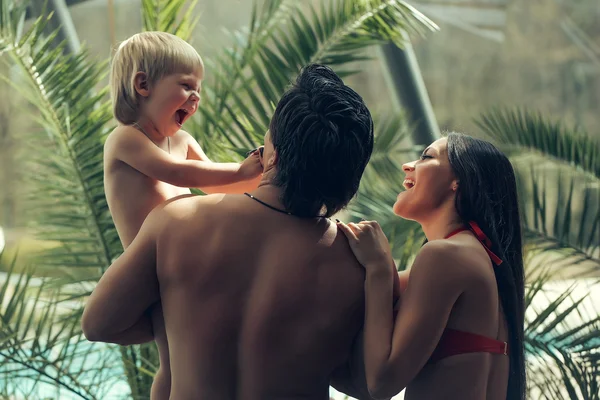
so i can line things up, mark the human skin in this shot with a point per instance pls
(451, 284)
(147, 164)
(258, 304)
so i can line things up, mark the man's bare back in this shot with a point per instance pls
(257, 304)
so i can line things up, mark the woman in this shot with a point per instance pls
(458, 333)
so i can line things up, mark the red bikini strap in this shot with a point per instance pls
(454, 232)
(485, 241)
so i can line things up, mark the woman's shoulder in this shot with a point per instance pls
(444, 250)
(455, 259)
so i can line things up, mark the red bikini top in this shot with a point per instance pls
(455, 342)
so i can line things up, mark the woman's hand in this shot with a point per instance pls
(369, 244)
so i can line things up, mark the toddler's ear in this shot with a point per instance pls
(140, 83)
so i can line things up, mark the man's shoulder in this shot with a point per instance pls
(186, 205)
(196, 215)
(191, 201)
(342, 251)
(339, 257)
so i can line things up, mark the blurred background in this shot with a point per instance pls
(524, 74)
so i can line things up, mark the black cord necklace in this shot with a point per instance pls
(278, 209)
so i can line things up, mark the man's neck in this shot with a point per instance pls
(269, 193)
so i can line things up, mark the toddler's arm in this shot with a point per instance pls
(132, 148)
(252, 164)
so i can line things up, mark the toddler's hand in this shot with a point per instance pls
(251, 167)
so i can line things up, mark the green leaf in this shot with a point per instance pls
(41, 352)
(257, 70)
(523, 130)
(173, 16)
(381, 183)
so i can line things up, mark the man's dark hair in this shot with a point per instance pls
(323, 134)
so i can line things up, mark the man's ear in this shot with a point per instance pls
(273, 159)
(141, 85)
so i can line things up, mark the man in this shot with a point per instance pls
(261, 294)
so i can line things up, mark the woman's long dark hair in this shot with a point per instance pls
(487, 194)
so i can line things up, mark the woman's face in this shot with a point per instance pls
(429, 183)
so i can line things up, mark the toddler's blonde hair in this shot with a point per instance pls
(158, 54)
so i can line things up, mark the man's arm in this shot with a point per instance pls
(350, 378)
(135, 150)
(140, 332)
(116, 310)
(195, 152)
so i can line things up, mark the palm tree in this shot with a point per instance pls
(559, 175)
(41, 344)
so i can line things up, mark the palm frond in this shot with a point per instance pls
(563, 375)
(66, 205)
(67, 167)
(336, 34)
(561, 340)
(38, 349)
(560, 210)
(229, 71)
(381, 183)
(173, 16)
(520, 130)
(392, 148)
(225, 72)
(230, 67)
